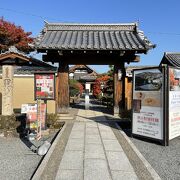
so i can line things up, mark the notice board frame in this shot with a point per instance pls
(35, 87)
(164, 140)
(168, 100)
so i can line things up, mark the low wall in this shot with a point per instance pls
(24, 93)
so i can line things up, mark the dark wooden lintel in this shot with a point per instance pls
(89, 58)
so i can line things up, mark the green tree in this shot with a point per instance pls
(110, 72)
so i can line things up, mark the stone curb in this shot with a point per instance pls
(44, 162)
(141, 157)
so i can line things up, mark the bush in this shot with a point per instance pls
(8, 122)
(51, 120)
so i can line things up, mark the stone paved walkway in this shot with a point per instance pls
(93, 151)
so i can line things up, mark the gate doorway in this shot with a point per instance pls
(91, 44)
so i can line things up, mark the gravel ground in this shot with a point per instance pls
(17, 159)
(164, 160)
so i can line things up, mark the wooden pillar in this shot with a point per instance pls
(63, 88)
(119, 90)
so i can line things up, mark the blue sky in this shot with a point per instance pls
(159, 19)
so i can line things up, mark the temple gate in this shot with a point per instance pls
(91, 44)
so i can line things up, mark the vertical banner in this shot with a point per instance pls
(38, 119)
(7, 90)
(41, 115)
(147, 103)
(174, 102)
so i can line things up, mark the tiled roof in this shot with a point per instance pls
(80, 66)
(129, 69)
(28, 70)
(92, 37)
(13, 49)
(88, 78)
(13, 52)
(171, 58)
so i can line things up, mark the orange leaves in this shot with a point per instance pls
(103, 78)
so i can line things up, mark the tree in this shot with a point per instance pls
(12, 35)
(97, 88)
(110, 72)
(75, 87)
(99, 82)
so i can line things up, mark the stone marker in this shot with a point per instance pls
(7, 90)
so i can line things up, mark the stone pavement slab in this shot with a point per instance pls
(118, 161)
(93, 151)
(72, 160)
(92, 131)
(108, 135)
(76, 135)
(121, 175)
(65, 174)
(93, 140)
(75, 145)
(96, 169)
(112, 145)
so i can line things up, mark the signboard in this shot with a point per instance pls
(174, 103)
(31, 116)
(31, 111)
(44, 86)
(147, 103)
(24, 108)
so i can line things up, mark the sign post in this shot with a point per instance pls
(44, 90)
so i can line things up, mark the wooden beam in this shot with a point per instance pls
(91, 59)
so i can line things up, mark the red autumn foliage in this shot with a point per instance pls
(12, 35)
(80, 87)
(97, 85)
(96, 88)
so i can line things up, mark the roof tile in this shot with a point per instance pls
(92, 37)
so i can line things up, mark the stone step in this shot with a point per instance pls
(64, 117)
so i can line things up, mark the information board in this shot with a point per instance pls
(147, 103)
(174, 103)
(44, 86)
